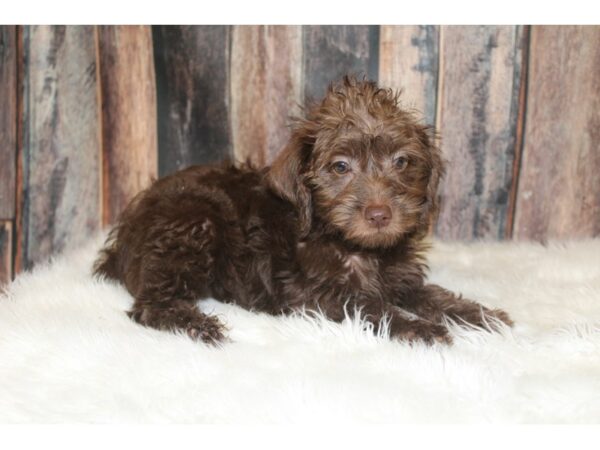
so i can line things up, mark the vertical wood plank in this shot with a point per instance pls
(61, 142)
(129, 137)
(333, 51)
(8, 120)
(478, 106)
(559, 186)
(5, 252)
(192, 76)
(408, 60)
(266, 89)
(519, 134)
(19, 235)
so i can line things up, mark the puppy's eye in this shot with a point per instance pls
(340, 167)
(401, 162)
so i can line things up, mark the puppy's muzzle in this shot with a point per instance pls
(378, 216)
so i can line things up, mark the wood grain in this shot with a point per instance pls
(129, 135)
(480, 68)
(19, 235)
(8, 120)
(559, 186)
(192, 76)
(5, 252)
(266, 89)
(519, 134)
(408, 61)
(333, 51)
(61, 142)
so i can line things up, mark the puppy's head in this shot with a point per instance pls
(362, 166)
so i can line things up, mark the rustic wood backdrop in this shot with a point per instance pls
(90, 114)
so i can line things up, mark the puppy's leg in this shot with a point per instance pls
(176, 269)
(376, 312)
(434, 302)
(417, 329)
(178, 315)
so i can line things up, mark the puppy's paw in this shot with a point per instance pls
(208, 329)
(422, 331)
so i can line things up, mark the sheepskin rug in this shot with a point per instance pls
(68, 352)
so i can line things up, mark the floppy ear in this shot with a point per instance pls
(286, 179)
(436, 173)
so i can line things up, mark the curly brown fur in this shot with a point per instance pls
(335, 225)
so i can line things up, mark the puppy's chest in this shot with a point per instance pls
(327, 263)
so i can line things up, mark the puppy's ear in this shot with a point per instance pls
(286, 179)
(437, 170)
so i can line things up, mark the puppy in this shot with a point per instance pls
(335, 225)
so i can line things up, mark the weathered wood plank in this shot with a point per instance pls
(477, 115)
(129, 136)
(519, 134)
(5, 252)
(559, 185)
(266, 89)
(192, 76)
(18, 231)
(333, 51)
(61, 142)
(8, 120)
(408, 60)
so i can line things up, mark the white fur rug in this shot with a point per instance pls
(68, 353)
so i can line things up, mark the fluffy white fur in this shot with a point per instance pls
(68, 352)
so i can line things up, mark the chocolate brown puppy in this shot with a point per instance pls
(335, 225)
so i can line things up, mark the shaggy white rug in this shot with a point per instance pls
(68, 352)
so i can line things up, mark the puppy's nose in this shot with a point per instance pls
(378, 216)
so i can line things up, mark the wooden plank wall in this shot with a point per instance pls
(8, 145)
(5, 252)
(266, 89)
(61, 164)
(129, 135)
(559, 182)
(192, 74)
(330, 52)
(93, 113)
(481, 64)
(408, 61)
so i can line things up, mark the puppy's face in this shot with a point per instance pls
(371, 184)
(362, 166)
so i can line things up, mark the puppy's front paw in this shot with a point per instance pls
(181, 318)
(422, 331)
(208, 329)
